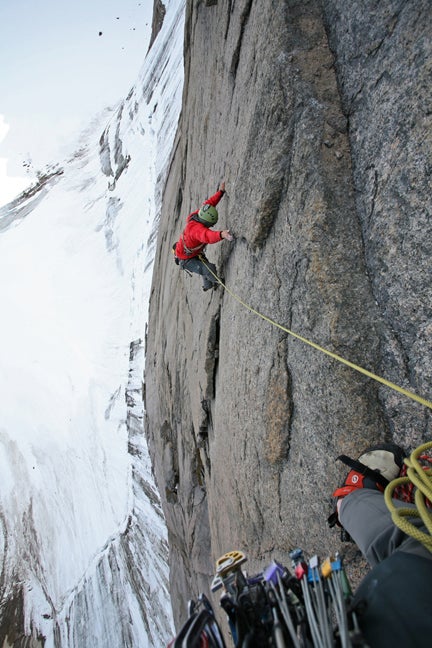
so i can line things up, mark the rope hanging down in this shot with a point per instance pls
(369, 374)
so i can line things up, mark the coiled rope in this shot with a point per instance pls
(335, 356)
(421, 477)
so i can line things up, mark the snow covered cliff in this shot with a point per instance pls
(83, 544)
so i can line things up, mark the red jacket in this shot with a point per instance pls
(195, 235)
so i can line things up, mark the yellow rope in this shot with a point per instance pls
(388, 383)
(422, 479)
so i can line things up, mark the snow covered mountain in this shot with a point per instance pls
(83, 545)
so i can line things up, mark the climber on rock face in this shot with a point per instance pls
(189, 249)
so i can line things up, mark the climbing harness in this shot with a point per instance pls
(192, 251)
(335, 356)
(178, 261)
(310, 606)
(418, 479)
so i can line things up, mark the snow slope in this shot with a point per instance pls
(80, 521)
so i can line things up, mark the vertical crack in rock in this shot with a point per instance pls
(212, 357)
(244, 17)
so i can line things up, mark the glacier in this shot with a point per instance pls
(83, 543)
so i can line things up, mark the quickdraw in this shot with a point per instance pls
(277, 608)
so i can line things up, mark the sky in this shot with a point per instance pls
(62, 63)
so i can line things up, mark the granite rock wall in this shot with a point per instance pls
(318, 117)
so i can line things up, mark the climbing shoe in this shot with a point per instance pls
(375, 468)
(213, 286)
